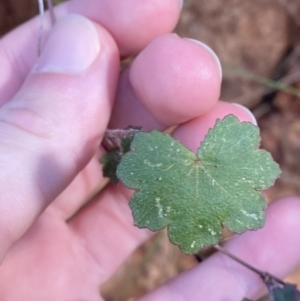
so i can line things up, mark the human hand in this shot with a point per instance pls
(52, 120)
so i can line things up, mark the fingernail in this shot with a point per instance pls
(181, 4)
(253, 119)
(212, 53)
(72, 47)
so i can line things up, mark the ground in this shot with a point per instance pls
(257, 37)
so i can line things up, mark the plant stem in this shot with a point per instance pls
(41, 13)
(263, 275)
(119, 133)
(51, 11)
(276, 85)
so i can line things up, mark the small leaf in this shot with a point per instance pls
(110, 161)
(112, 158)
(288, 292)
(279, 290)
(195, 194)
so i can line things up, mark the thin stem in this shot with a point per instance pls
(119, 133)
(276, 85)
(253, 269)
(51, 11)
(41, 13)
(263, 275)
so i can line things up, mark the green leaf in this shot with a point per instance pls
(288, 292)
(195, 194)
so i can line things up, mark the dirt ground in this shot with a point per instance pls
(260, 37)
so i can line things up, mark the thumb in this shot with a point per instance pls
(52, 127)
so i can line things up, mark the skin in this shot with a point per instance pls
(53, 249)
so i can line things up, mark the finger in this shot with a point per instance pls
(273, 248)
(170, 82)
(53, 126)
(107, 221)
(130, 23)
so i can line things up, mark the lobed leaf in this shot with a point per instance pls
(193, 195)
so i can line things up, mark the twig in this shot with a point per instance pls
(113, 137)
(275, 85)
(41, 13)
(51, 11)
(263, 275)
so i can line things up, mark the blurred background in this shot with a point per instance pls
(258, 43)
